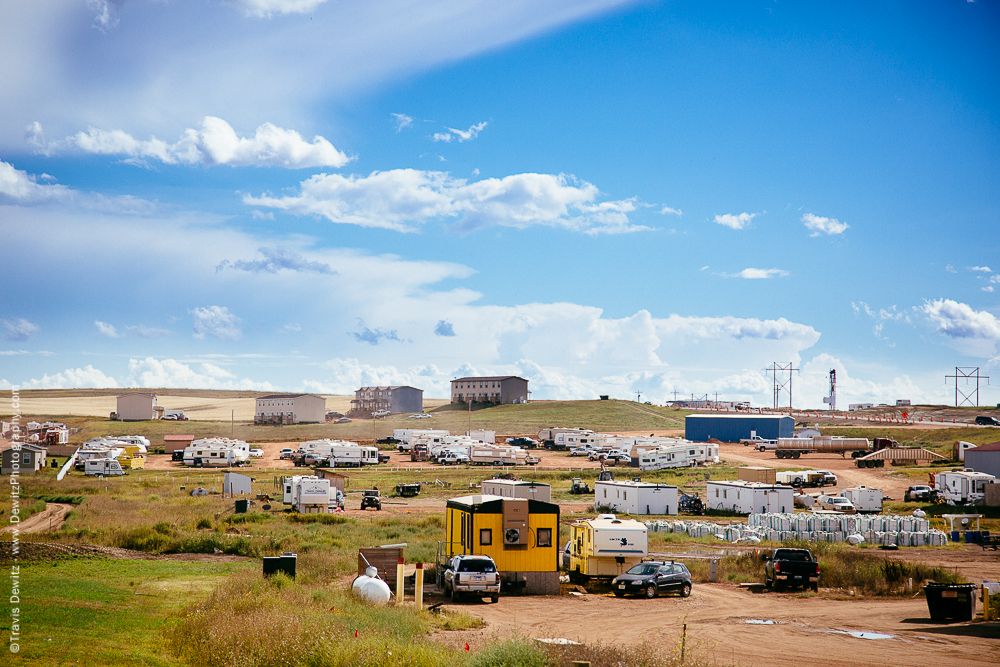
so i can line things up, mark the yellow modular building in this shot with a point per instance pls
(521, 535)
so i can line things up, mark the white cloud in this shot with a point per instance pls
(812, 384)
(403, 199)
(988, 288)
(950, 269)
(977, 331)
(402, 121)
(12, 353)
(344, 376)
(105, 15)
(759, 274)
(276, 259)
(73, 378)
(461, 135)
(216, 321)
(143, 331)
(828, 226)
(881, 316)
(995, 278)
(107, 330)
(735, 221)
(981, 269)
(267, 8)
(19, 329)
(23, 189)
(666, 210)
(291, 327)
(216, 143)
(150, 372)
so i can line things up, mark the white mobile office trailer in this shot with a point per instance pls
(481, 435)
(750, 497)
(636, 497)
(864, 499)
(509, 488)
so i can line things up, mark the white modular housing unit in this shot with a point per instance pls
(636, 497)
(509, 488)
(962, 486)
(750, 497)
(481, 435)
(103, 466)
(864, 499)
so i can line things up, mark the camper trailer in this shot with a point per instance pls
(962, 487)
(405, 436)
(605, 547)
(676, 454)
(864, 499)
(308, 494)
(105, 466)
(216, 453)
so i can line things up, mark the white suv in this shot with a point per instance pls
(472, 575)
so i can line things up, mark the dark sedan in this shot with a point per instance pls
(652, 578)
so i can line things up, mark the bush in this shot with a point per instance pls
(60, 498)
(327, 519)
(513, 652)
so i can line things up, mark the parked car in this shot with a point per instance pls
(984, 420)
(579, 451)
(837, 504)
(256, 453)
(343, 420)
(286, 453)
(422, 415)
(828, 478)
(383, 457)
(472, 575)
(525, 443)
(791, 567)
(453, 458)
(566, 555)
(371, 498)
(653, 577)
(919, 493)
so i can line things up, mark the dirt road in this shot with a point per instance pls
(731, 626)
(52, 518)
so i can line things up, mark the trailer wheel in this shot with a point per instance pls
(796, 455)
(651, 591)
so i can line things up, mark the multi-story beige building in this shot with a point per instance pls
(493, 389)
(291, 409)
(387, 399)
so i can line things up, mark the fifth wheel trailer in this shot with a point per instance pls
(606, 547)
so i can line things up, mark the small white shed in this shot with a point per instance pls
(636, 497)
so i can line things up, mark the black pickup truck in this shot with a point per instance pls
(791, 567)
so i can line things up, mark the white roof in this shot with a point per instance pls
(750, 485)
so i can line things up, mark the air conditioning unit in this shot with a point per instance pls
(512, 536)
(515, 522)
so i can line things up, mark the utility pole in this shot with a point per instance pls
(638, 395)
(780, 383)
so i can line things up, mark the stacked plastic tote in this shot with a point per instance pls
(904, 531)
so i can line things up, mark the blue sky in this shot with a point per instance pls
(604, 197)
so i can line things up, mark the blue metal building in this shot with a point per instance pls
(731, 428)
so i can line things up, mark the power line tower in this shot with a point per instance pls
(780, 383)
(832, 398)
(967, 373)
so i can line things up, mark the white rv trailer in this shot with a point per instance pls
(750, 497)
(103, 449)
(864, 499)
(216, 453)
(338, 452)
(493, 455)
(683, 455)
(309, 494)
(962, 487)
(405, 436)
(103, 466)
(636, 497)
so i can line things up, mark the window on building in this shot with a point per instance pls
(545, 537)
(27, 457)
(486, 537)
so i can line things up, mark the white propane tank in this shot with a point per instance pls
(803, 500)
(919, 513)
(368, 587)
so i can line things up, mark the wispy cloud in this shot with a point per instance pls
(268, 8)
(819, 225)
(981, 269)
(760, 274)
(374, 336)
(666, 210)
(460, 135)
(402, 121)
(276, 259)
(735, 221)
(107, 330)
(403, 199)
(23, 189)
(216, 143)
(19, 329)
(881, 316)
(216, 321)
